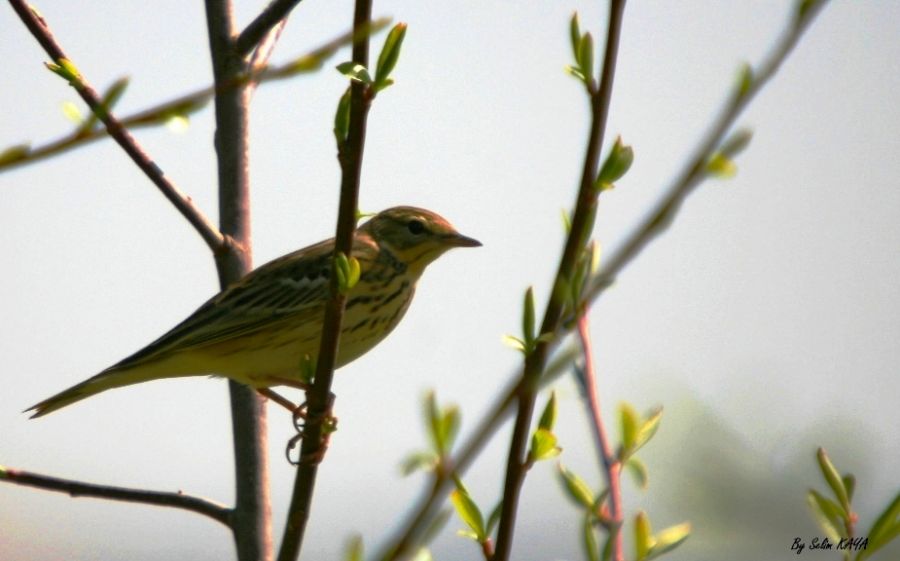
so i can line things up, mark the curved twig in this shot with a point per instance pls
(216, 511)
(268, 19)
(207, 230)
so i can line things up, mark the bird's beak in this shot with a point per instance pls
(458, 240)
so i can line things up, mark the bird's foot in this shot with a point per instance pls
(306, 422)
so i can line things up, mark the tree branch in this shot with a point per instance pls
(585, 208)
(268, 19)
(186, 103)
(214, 510)
(422, 515)
(252, 525)
(39, 29)
(318, 398)
(610, 465)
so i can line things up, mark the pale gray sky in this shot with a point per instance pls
(766, 320)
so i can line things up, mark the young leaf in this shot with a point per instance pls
(648, 428)
(591, 548)
(616, 165)
(494, 518)
(736, 143)
(66, 70)
(886, 527)
(629, 420)
(586, 55)
(354, 549)
(516, 343)
(827, 514)
(342, 119)
(110, 98)
(528, 319)
(543, 446)
(720, 166)
(850, 485)
(574, 35)
(468, 511)
(669, 539)
(73, 113)
(576, 488)
(425, 461)
(548, 417)
(390, 53)
(745, 79)
(638, 470)
(355, 71)
(833, 478)
(643, 536)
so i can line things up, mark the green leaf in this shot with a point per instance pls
(669, 539)
(468, 511)
(576, 72)
(720, 166)
(577, 490)
(355, 71)
(591, 547)
(827, 514)
(66, 70)
(528, 320)
(548, 417)
(494, 518)
(449, 427)
(616, 165)
(575, 36)
(112, 96)
(516, 343)
(72, 113)
(638, 470)
(543, 446)
(886, 527)
(630, 421)
(850, 485)
(342, 119)
(567, 221)
(648, 428)
(586, 56)
(354, 549)
(745, 79)
(390, 53)
(833, 478)
(643, 536)
(425, 461)
(347, 272)
(736, 143)
(14, 154)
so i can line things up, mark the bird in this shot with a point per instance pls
(260, 330)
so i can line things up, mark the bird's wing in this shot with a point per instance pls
(286, 288)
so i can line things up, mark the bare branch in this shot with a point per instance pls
(206, 507)
(254, 34)
(39, 29)
(610, 465)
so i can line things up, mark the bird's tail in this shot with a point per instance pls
(106, 380)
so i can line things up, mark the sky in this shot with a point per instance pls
(765, 321)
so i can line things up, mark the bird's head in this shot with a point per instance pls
(414, 235)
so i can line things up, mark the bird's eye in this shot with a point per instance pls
(415, 227)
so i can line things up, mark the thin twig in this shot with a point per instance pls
(318, 399)
(275, 13)
(189, 102)
(663, 214)
(39, 29)
(585, 207)
(422, 515)
(610, 465)
(206, 507)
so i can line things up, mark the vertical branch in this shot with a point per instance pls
(350, 154)
(582, 219)
(252, 511)
(611, 466)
